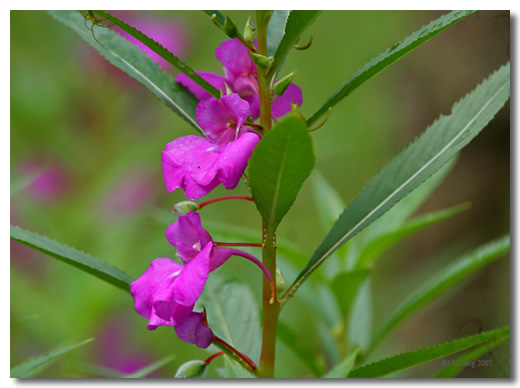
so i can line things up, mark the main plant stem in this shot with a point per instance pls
(270, 310)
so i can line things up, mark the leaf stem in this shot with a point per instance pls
(241, 358)
(209, 202)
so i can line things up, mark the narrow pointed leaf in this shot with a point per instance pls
(73, 257)
(161, 51)
(441, 141)
(407, 360)
(469, 357)
(134, 62)
(26, 368)
(385, 59)
(276, 31)
(342, 369)
(297, 23)
(279, 166)
(218, 15)
(385, 241)
(143, 372)
(444, 280)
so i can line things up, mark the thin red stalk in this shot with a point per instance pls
(209, 202)
(210, 358)
(233, 244)
(246, 359)
(253, 125)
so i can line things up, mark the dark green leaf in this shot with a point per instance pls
(135, 62)
(441, 141)
(162, 52)
(388, 57)
(276, 31)
(385, 241)
(420, 356)
(444, 280)
(26, 368)
(143, 372)
(279, 166)
(297, 22)
(218, 15)
(342, 369)
(468, 358)
(73, 257)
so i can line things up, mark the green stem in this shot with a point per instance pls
(264, 81)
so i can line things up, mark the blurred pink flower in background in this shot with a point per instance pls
(50, 182)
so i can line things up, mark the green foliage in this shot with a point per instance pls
(27, 368)
(22, 182)
(342, 369)
(441, 141)
(145, 371)
(444, 280)
(409, 359)
(345, 286)
(134, 62)
(297, 23)
(279, 166)
(161, 51)
(385, 59)
(276, 31)
(73, 257)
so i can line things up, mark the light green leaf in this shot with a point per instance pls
(385, 59)
(385, 241)
(135, 62)
(441, 141)
(279, 166)
(73, 257)
(444, 280)
(328, 201)
(162, 52)
(420, 356)
(342, 369)
(468, 358)
(235, 372)
(276, 31)
(145, 371)
(345, 286)
(26, 368)
(297, 22)
(361, 317)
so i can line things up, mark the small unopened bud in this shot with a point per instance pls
(280, 281)
(230, 28)
(249, 32)
(281, 86)
(184, 207)
(191, 370)
(262, 61)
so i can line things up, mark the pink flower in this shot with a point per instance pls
(241, 77)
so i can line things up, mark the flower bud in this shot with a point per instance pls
(262, 61)
(281, 86)
(280, 281)
(184, 207)
(191, 370)
(249, 32)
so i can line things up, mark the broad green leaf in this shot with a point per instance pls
(385, 59)
(385, 241)
(441, 141)
(161, 51)
(27, 367)
(444, 280)
(345, 286)
(328, 201)
(469, 358)
(297, 346)
(73, 257)
(279, 166)
(234, 372)
(297, 22)
(342, 369)
(276, 30)
(135, 62)
(420, 356)
(145, 371)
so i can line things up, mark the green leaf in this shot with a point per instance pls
(234, 372)
(360, 319)
(134, 62)
(345, 286)
(276, 31)
(444, 280)
(342, 370)
(27, 367)
(145, 371)
(218, 15)
(372, 251)
(279, 166)
(441, 141)
(328, 201)
(73, 257)
(297, 22)
(469, 358)
(420, 356)
(388, 57)
(162, 52)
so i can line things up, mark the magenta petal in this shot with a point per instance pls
(193, 330)
(216, 80)
(193, 190)
(254, 105)
(219, 257)
(188, 236)
(235, 58)
(282, 105)
(191, 281)
(234, 158)
(155, 322)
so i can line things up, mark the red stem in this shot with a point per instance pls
(209, 202)
(233, 244)
(210, 358)
(246, 359)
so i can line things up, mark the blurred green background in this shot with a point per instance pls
(101, 135)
